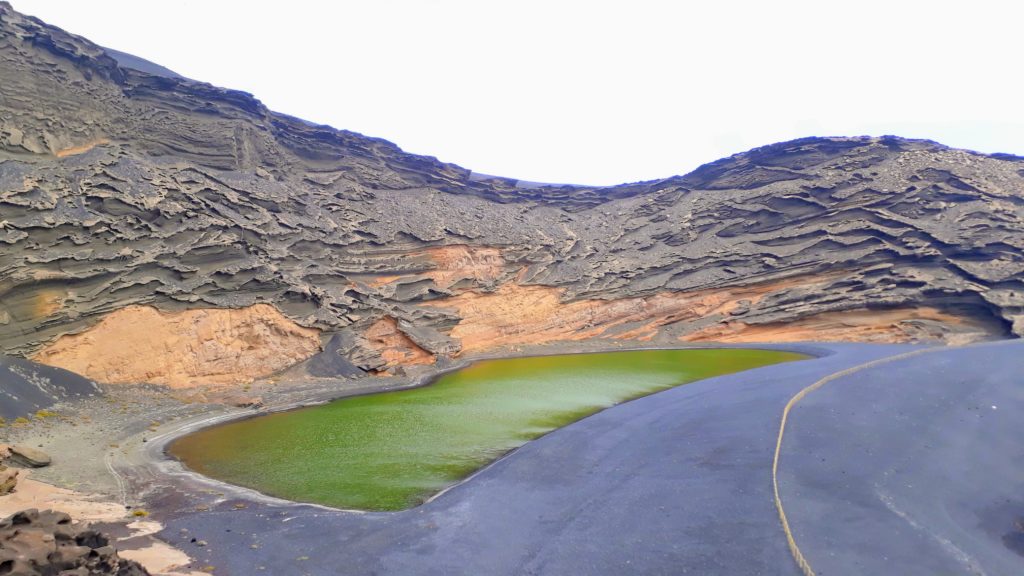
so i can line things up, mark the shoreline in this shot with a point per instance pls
(168, 463)
(130, 466)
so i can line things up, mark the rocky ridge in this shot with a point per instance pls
(126, 190)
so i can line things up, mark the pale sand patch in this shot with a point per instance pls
(160, 558)
(82, 507)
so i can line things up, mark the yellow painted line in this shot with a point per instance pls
(794, 548)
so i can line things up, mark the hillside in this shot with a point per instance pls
(155, 228)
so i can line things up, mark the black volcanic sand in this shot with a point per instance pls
(915, 467)
(26, 387)
(680, 482)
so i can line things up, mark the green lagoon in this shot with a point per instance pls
(393, 450)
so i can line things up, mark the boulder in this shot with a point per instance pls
(27, 456)
(34, 543)
(243, 401)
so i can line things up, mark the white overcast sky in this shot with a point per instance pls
(594, 92)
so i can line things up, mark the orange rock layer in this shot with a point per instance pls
(447, 265)
(394, 346)
(517, 315)
(226, 346)
(453, 263)
(184, 349)
(883, 326)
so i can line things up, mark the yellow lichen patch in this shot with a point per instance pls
(184, 349)
(47, 302)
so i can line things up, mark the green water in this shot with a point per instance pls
(394, 450)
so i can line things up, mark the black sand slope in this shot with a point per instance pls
(26, 387)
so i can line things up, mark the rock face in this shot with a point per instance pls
(34, 543)
(122, 189)
(186, 348)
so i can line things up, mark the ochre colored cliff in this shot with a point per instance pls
(184, 349)
(394, 346)
(517, 315)
(881, 326)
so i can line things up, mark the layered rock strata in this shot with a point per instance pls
(124, 190)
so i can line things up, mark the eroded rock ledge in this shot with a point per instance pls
(122, 189)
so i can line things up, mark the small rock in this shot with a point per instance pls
(8, 480)
(246, 401)
(742, 307)
(28, 456)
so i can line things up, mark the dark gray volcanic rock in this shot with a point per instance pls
(26, 387)
(122, 187)
(34, 543)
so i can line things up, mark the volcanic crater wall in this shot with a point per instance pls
(122, 190)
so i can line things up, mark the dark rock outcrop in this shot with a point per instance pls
(34, 543)
(121, 187)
